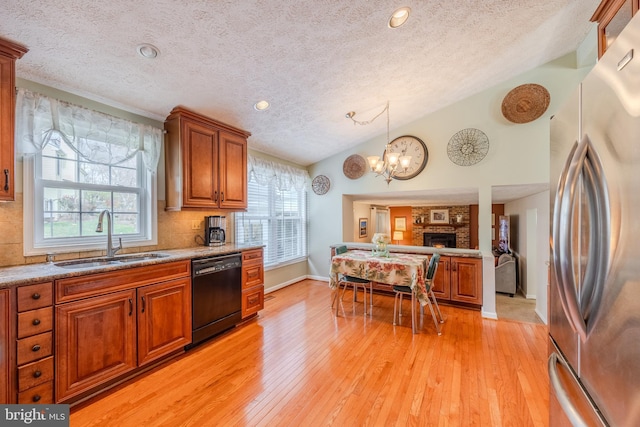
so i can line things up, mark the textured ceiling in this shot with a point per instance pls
(314, 60)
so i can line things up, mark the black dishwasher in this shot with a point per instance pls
(216, 295)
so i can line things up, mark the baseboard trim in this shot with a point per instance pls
(293, 281)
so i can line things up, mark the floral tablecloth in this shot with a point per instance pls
(396, 269)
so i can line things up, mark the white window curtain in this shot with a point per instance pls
(284, 177)
(96, 137)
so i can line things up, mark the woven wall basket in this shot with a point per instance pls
(525, 103)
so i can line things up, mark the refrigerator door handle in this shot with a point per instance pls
(582, 162)
(562, 226)
(590, 416)
(598, 259)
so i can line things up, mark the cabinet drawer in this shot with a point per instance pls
(252, 275)
(35, 322)
(35, 373)
(34, 348)
(39, 394)
(35, 296)
(252, 257)
(252, 301)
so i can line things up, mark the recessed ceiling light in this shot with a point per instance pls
(261, 105)
(399, 17)
(148, 51)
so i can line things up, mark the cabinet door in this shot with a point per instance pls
(200, 156)
(4, 346)
(233, 171)
(7, 107)
(95, 342)
(164, 319)
(442, 282)
(252, 300)
(466, 280)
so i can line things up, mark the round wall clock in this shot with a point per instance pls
(320, 184)
(410, 146)
(468, 147)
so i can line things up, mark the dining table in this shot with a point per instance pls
(393, 269)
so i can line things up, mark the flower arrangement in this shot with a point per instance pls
(380, 240)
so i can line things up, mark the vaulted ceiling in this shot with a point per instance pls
(313, 60)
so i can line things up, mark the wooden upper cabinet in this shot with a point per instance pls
(9, 52)
(233, 171)
(612, 16)
(206, 163)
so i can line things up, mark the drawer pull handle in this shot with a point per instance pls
(35, 296)
(35, 347)
(37, 374)
(144, 304)
(130, 307)
(36, 398)
(36, 322)
(6, 180)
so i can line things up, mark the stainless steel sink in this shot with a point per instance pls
(102, 262)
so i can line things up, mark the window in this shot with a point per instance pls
(79, 166)
(276, 216)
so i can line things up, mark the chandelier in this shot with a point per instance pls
(391, 163)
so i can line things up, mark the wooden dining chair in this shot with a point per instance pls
(406, 290)
(355, 282)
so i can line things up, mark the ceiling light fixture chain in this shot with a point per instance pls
(391, 162)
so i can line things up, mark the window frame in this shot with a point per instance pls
(272, 219)
(36, 244)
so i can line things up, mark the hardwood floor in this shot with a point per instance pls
(300, 365)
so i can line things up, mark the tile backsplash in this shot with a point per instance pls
(174, 232)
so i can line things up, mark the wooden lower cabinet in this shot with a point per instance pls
(4, 346)
(252, 282)
(164, 323)
(95, 342)
(459, 279)
(101, 339)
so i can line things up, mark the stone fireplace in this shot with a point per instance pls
(446, 240)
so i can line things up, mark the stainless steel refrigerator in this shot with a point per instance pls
(594, 296)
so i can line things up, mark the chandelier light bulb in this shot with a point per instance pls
(405, 161)
(373, 162)
(393, 159)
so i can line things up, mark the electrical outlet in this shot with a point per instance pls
(195, 224)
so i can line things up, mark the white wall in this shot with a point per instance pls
(518, 154)
(521, 209)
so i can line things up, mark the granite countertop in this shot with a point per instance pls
(36, 273)
(469, 253)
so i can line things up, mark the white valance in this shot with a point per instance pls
(96, 137)
(285, 177)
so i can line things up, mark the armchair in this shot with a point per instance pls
(506, 274)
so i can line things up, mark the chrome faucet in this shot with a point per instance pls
(111, 251)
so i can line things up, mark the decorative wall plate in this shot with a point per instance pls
(354, 166)
(525, 103)
(468, 147)
(320, 185)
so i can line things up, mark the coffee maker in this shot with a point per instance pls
(214, 227)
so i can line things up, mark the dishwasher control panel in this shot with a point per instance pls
(215, 264)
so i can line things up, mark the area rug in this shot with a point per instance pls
(516, 308)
